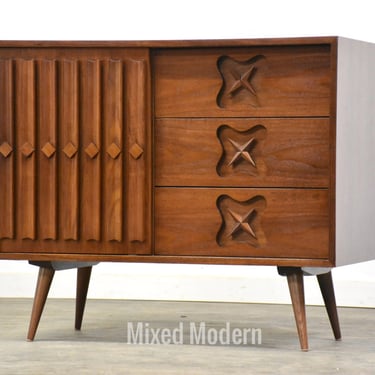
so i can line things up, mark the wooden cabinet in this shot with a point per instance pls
(226, 152)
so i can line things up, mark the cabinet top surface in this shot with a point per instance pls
(169, 43)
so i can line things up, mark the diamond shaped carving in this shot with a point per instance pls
(136, 151)
(70, 150)
(48, 150)
(5, 149)
(113, 151)
(91, 150)
(27, 149)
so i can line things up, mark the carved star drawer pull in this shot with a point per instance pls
(136, 151)
(242, 151)
(241, 221)
(48, 150)
(5, 149)
(27, 149)
(243, 82)
(238, 87)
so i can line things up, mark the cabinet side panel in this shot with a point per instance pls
(26, 158)
(6, 150)
(355, 172)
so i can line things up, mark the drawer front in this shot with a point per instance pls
(242, 152)
(262, 223)
(249, 82)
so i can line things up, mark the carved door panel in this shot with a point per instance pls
(74, 151)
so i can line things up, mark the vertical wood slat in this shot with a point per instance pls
(136, 96)
(26, 158)
(68, 148)
(47, 142)
(91, 149)
(6, 161)
(113, 143)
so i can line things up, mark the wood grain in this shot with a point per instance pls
(288, 81)
(47, 194)
(295, 223)
(297, 295)
(26, 159)
(287, 153)
(111, 46)
(113, 166)
(68, 135)
(6, 163)
(91, 143)
(295, 80)
(136, 96)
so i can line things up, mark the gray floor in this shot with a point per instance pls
(102, 346)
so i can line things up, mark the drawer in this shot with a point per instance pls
(248, 82)
(262, 223)
(242, 152)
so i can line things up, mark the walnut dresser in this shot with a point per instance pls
(251, 152)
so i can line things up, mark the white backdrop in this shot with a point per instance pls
(141, 19)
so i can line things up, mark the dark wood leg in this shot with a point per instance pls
(83, 280)
(295, 282)
(296, 289)
(328, 293)
(45, 278)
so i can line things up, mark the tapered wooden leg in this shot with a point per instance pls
(296, 289)
(328, 293)
(83, 280)
(295, 282)
(45, 278)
